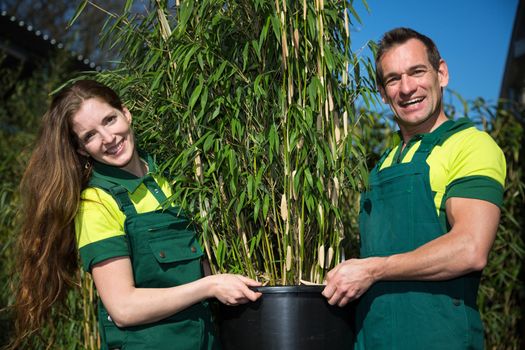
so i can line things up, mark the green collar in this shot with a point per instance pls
(448, 126)
(121, 177)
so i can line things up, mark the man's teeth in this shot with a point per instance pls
(411, 102)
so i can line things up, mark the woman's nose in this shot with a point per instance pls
(107, 137)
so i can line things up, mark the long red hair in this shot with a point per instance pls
(50, 191)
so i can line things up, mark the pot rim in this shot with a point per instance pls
(289, 289)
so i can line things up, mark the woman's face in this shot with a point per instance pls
(104, 133)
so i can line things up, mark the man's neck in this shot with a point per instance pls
(429, 125)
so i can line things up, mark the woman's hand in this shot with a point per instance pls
(131, 306)
(233, 289)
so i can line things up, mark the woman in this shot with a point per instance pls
(86, 179)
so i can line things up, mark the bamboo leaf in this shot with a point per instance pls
(185, 12)
(250, 187)
(188, 57)
(78, 12)
(204, 99)
(240, 203)
(276, 26)
(266, 205)
(195, 94)
(262, 37)
(245, 55)
(208, 143)
(256, 208)
(309, 177)
(128, 5)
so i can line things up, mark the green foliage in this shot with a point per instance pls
(17, 128)
(501, 289)
(238, 124)
(24, 100)
(250, 106)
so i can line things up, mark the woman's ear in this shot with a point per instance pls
(82, 152)
(127, 114)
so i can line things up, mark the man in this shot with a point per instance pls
(429, 218)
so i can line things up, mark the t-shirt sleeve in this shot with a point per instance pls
(99, 227)
(478, 170)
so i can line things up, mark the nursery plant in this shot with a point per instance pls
(250, 106)
(213, 40)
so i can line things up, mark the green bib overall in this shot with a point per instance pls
(164, 253)
(398, 215)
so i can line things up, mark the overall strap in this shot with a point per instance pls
(381, 160)
(119, 193)
(428, 142)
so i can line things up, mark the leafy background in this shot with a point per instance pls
(145, 80)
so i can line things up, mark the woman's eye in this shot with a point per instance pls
(88, 137)
(110, 119)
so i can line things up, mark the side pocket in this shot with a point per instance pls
(112, 336)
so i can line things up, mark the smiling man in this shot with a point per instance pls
(429, 218)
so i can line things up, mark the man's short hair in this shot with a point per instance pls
(399, 36)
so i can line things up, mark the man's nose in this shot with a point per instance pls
(407, 85)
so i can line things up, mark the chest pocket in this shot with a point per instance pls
(165, 250)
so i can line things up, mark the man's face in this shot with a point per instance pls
(412, 87)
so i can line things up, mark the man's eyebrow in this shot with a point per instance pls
(418, 66)
(410, 69)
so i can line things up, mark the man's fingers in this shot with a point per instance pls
(343, 301)
(328, 291)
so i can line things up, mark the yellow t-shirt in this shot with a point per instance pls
(467, 164)
(99, 223)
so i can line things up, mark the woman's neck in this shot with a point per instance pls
(136, 166)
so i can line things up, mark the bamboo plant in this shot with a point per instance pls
(250, 106)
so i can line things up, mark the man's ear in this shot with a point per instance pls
(382, 93)
(127, 114)
(443, 74)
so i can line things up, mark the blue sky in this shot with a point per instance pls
(472, 36)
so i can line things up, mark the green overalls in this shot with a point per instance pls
(398, 215)
(164, 253)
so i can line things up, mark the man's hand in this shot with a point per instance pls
(463, 249)
(350, 279)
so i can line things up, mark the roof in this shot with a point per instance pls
(25, 43)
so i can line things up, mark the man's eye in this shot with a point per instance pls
(391, 80)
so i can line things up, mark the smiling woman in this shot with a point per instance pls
(105, 134)
(86, 179)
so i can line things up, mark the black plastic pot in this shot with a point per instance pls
(287, 318)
